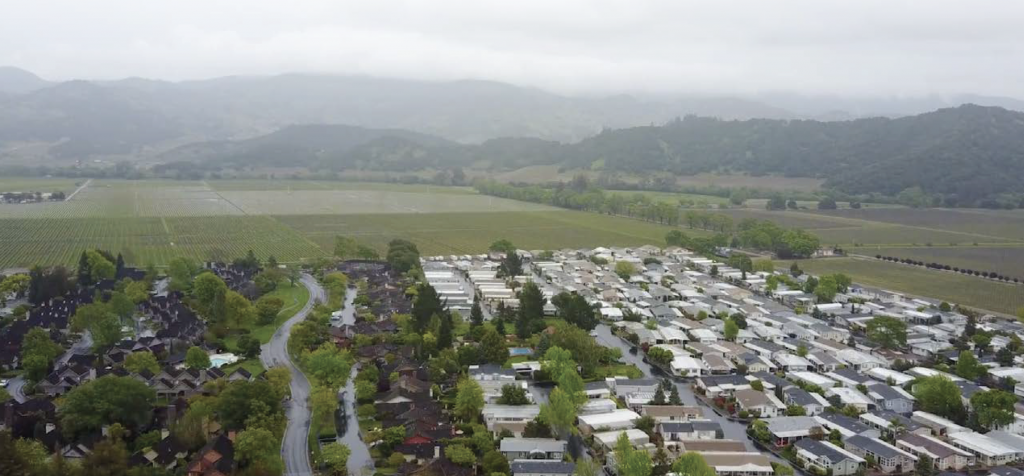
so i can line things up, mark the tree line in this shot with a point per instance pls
(946, 267)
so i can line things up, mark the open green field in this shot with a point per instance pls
(461, 233)
(948, 286)
(1004, 224)
(50, 241)
(1006, 260)
(39, 185)
(159, 198)
(674, 198)
(154, 221)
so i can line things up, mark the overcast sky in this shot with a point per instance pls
(861, 47)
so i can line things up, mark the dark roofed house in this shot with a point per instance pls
(542, 468)
(217, 458)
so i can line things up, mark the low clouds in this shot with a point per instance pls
(572, 46)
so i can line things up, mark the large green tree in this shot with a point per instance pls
(469, 400)
(37, 353)
(968, 367)
(630, 461)
(559, 412)
(530, 317)
(104, 401)
(993, 408)
(888, 332)
(575, 310)
(939, 395)
(136, 362)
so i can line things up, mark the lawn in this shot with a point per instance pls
(252, 365)
(464, 233)
(294, 298)
(954, 288)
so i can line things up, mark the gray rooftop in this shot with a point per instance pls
(542, 466)
(820, 449)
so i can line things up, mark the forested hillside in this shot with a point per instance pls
(964, 156)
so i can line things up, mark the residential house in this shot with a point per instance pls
(847, 427)
(541, 468)
(827, 457)
(888, 458)
(217, 458)
(786, 430)
(617, 420)
(509, 417)
(812, 403)
(690, 430)
(894, 399)
(943, 455)
(761, 404)
(533, 448)
(665, 413)
(987, 450)
(738, 464)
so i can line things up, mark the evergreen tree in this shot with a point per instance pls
(531, 311)
(444, 333)
(659, 397)
(84, 272)
(476, 315)
(673, 398)
(119, 269)
(426, 306)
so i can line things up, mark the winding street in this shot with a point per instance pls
(294, 446)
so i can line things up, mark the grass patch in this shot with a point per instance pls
(294, 297)
(954, 288)
(615, 370)
(254, 366)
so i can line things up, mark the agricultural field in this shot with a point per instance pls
(948, 286)
(674, 198)
(448, 233)
(1004, 224)
(38, 185)
(144, 240)
(1005, 260)
(153, 221)
(345, 202)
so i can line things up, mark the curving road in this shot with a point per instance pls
(294, 446)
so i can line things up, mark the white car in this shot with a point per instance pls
(4, 382)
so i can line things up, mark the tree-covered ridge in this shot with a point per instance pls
(962, 154)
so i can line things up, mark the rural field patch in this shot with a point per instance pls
(1008, 224)
(948, 286)
(147, 240)
(446, 233)
(344, 202)
(1005, 260)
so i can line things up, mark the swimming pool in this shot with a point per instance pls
(520, 351)
(220, 360)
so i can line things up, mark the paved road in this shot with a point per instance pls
(16, 387)
(79, 189)
(294, 446)
(359, 461)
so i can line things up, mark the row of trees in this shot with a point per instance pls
(588, 199)
(946, 267)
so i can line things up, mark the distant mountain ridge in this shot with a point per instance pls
(960, 155)
(240, 107)
(18, 81)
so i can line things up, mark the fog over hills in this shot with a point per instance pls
(139, 116)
